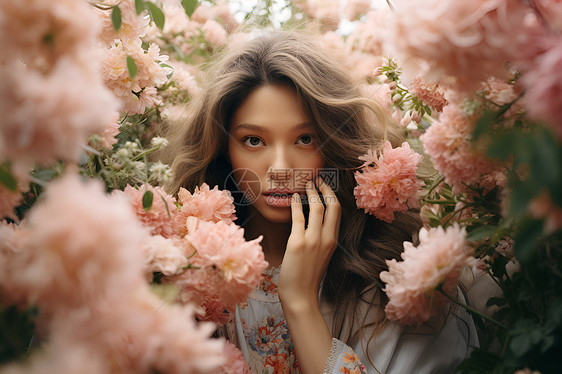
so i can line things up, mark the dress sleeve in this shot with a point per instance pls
(437, 347)
(343, 359)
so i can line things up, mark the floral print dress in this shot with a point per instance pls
(260, 331)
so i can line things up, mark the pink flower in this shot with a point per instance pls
(49, 117)
(355, 8)
(230, 266)
(448, 143)
(429, 93)
(388, 182)
(219, 12)
(41, 32)
(82, 245)
(161, 218)
(551, 12)
(235, 362)
(108, 136)
(208, 205)
(499, 91)
(214, 33)
(326, 11)
(411, 284)
(133, 26)
(468, 40)
(543, 88)
(215, 311)
(166, 255)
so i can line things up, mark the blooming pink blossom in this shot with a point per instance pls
(429, 93)
(355, 8)
(499, 91)
(206, 204)
(162, 215)
(215, 311)
(230, 266)
(411, 284)
(326, 11)
(214, 33)
(49, 117)
(235, 362)
(551, 13)
(133, 25)
(468, 40)
(388, 182)
(448, 143)
(219, 12)
(41, 32)
(82, 245)
(543, 88)
(166, 255)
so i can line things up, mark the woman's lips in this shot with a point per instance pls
(279, 197)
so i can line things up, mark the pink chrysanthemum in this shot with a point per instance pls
(215, 311)
(448, 143)
(165, 255)
(388, 182)
(429, 93)
(133, 26)
(161, 218)
(230, 266)
(206, 204)
(235, 362)
(214, 33)
(411, 285)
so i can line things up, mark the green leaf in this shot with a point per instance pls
(526, 240)
(7, 179)
(481, 232)
(116, 18)
(131, 66)
(484, 124)
(139, 6)
(168, 66)
(189, 6)
(156, 14)
(166, 205)
(147, 199)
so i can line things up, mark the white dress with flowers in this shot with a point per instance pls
(261, 332)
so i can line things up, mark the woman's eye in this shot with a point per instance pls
(305, 139)
(252, 141)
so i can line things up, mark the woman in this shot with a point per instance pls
(281, 125)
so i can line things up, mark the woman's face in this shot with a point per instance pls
(272, 150)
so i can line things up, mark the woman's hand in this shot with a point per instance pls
(309, 249)
(307, 256)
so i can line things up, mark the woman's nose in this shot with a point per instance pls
(280, 167)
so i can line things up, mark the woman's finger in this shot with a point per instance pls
(332, 216)
(297, 215)
(316, 215)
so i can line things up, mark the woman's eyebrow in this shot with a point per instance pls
(249, 126)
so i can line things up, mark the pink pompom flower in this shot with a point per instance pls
(208, 205)
(228, 266)
(235, 362)
(387, 182)
(411, 285)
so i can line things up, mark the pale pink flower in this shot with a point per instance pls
(185, 79)
(381, 93)
(542, 207)
(40, 32)
(206, 204)
(448, 143)
(362, 65)
(551, 13)
(12, 239)
(214, 33)
(133, 26)
(356, 8)
(367, 36)
(235, 362)
(411, 284)
(499, 91)
(543, 88)
(162, 216)
(468, 40)
(326, 11)
(219, 12)
(333, 40)
(429, 93)
(82, 245)
(215, 311)
(165, 255)
(388, 181)
(108, 137)
(230, 266)
(49, 117)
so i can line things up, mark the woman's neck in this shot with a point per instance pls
(275, 236)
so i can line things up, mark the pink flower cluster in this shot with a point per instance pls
(411, 284)
(429, 93)
(387, 182)
(207, 204)
(77, 259)
(228, 266)
(448, 143)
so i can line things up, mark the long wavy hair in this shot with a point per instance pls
(346, 126)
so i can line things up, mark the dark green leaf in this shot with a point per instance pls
(166, 205)
(526, 240)
(481, 232)
(131, 66)
(520, 196)
(147, 199)
(156, 14)
(7, 179)
(116, 18)
(484, 124)
(139, 6)
(189, 6)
